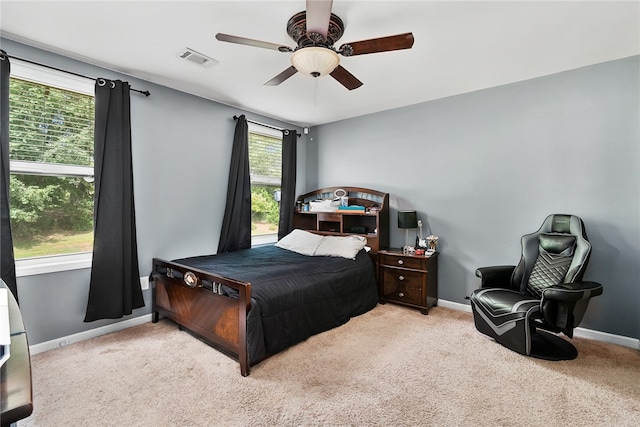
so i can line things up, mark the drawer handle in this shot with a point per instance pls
(400, 277)
(400, 262)
(401, 294)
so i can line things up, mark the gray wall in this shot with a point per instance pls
(181, 155)
(484, 168)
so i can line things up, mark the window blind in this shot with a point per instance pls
(265, 156)
(50, 125)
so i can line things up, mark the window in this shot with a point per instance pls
(51, 122)
(265, 168)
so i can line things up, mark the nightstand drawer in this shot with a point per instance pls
(404, 294)
(402, 261)
(402, 285)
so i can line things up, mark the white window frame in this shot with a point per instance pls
(265, 239)
(61, 80)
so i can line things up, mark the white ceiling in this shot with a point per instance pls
(459, 47)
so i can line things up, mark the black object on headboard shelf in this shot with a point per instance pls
(372, 222)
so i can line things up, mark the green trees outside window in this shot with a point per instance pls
(51, 184)
(265, 210)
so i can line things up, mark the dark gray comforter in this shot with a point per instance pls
(294, 296)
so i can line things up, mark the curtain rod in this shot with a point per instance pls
(266, 125)
(144, 92)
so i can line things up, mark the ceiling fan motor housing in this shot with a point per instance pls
(297, 30)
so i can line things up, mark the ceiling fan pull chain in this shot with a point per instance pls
(315, 92)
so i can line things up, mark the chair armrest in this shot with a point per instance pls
(574, 291)
(563, 305)
(498, 276)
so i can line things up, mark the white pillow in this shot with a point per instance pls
(341, 246)
(300, 241)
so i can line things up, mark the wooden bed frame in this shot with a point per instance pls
(219, 320)
(193, 298)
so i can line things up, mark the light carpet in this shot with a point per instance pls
(389, 367)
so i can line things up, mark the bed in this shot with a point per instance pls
(253, 303)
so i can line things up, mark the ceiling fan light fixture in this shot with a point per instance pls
(315, 61)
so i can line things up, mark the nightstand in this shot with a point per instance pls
(409, 280)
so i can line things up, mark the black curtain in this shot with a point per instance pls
(236, 224)
(115, 278)
(288, 188)
(7, 261)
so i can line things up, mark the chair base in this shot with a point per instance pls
(548, 346)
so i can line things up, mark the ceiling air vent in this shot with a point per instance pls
(197, 58)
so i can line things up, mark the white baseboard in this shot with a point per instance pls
(606, 337)
(91, 333)
(577, 332)
(454, 305)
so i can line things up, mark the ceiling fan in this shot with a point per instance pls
(315, 31)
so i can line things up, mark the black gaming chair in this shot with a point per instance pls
(544, 292)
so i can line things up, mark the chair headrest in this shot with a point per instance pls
(558, 244)
(561, 224)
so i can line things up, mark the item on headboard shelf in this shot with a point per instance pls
(325, 205)
(358, 229)
(343, 196)
(351, 208)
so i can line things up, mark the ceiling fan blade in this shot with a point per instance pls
(251, 42)
(345, 78)
(318, 16)
(381, 44)
(282, 76)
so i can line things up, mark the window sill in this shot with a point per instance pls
(263, 239)
(52, 264)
